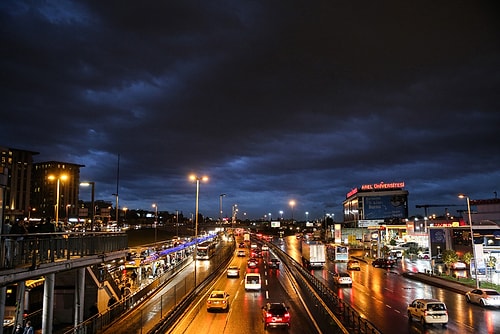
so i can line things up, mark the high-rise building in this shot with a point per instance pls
(15, 183)
(50, 178)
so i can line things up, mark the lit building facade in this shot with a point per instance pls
(44, 191)
(376, 204)
(15, 183)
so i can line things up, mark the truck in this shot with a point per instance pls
(313, 254)
(246, 237)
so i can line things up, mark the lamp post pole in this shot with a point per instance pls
(220, 207)
(92, 202)
(52, 177)
(177, 223)
(471, 238)
(156, 219)
(197, 179)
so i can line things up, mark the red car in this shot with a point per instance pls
(253, 263)
(275, 315)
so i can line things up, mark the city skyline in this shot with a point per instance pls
(272, 101)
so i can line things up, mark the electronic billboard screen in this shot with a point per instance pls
(389, 206)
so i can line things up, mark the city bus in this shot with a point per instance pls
(206, 250)
(337, 252)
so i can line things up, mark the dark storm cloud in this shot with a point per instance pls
(273, 100)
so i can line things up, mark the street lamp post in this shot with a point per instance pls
(86, 184)
(177, 223)
(156, 219)
(197, 179)
(59, 178)
(234, 214)
(471, 238)
(220, 206)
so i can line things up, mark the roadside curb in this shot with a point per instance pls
(439, 282)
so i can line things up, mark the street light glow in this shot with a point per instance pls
(193, 177)
(471, 237)
(62, 177)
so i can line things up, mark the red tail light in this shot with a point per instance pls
(287, 316)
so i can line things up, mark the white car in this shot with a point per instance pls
(342, 279)
(424, 256)
(483, 297)
(428, 311)
(459, 265)
(233, 271)
(265, 247)
(253, 281)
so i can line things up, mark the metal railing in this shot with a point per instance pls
(31, 250)
(328, 307)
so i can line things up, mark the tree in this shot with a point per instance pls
(491, 262)
(449, 257)
(385, 250)
(467, 257)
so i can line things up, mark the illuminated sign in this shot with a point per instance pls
(352, 192)
(275, 224)
(373, 222)
(382, 186)
(376, 186)
(338, 233)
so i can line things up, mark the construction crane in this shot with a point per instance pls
(425, 206)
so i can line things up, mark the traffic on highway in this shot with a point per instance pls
(255, 293)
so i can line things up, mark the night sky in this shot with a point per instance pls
(272, 100)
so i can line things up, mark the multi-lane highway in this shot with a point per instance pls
(245, 315)
(382, 296)
(379, 295)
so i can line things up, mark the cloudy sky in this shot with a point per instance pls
(272, 100)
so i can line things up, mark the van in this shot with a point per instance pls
(252, 281)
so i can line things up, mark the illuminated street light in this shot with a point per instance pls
(307, 216)
(156, 218)
(234, 213)
(281, 214)
(86, 184)
(197, 179)
(220, 206)
(292, 204)
(62, 177)
(471, 238)
(125, 213)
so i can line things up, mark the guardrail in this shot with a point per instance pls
(329, 309)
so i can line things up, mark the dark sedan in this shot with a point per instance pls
(383, 263)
